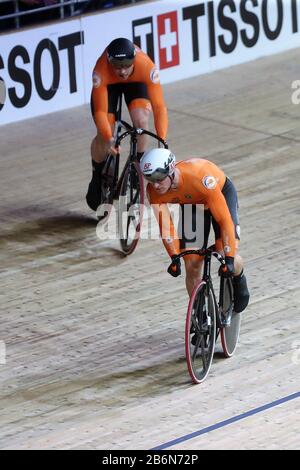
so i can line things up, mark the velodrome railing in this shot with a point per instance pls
(66, 8)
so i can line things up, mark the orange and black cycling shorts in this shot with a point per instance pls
(131, 91)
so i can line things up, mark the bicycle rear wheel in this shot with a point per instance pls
(131, 207)
(200, 332)
(230, 332)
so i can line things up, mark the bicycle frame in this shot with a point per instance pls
(208, 323)
(129, 183)
(133, 133)
(207, 254)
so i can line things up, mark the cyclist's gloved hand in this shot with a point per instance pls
(228, 269)
(175, 267)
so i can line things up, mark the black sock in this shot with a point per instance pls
(97, 167)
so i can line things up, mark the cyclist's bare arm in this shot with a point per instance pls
(159, 109)
(166, 227)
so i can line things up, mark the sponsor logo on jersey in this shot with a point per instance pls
(154, 75)
(96, 80)
(226, 249)
(209, 182)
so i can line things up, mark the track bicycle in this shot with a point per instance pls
(206, 319)
(128, 188)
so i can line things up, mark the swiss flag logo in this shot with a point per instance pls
(167, 26)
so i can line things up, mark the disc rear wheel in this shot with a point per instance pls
(231, 331)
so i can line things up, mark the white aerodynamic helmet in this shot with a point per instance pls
(157, 164)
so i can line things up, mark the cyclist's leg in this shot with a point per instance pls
(100, 148)
(139, 107)
(140, 113)
(241, 292)
(193, 270)
(99, 151)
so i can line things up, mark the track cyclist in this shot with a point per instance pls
(196, 181)
(122, 69)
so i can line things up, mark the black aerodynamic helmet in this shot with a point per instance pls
(121, 51)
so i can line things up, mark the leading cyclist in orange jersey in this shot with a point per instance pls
(196, 181)
(123, 69)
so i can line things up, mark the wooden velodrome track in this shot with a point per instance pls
(94, 341)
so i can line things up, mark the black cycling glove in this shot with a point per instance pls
(175, 267)
(229, 263)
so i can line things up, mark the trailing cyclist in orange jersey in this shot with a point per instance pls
(123, 69)
(188, 183)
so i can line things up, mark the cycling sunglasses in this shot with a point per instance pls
(156, 177)
(121, 63)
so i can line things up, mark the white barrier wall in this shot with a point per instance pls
(42, 70)
(49, 68)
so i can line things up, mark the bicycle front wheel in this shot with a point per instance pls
(131, 206)
(231, 331)
(200, 332)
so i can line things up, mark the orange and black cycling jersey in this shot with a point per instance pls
(144, 71)
(201, 182)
